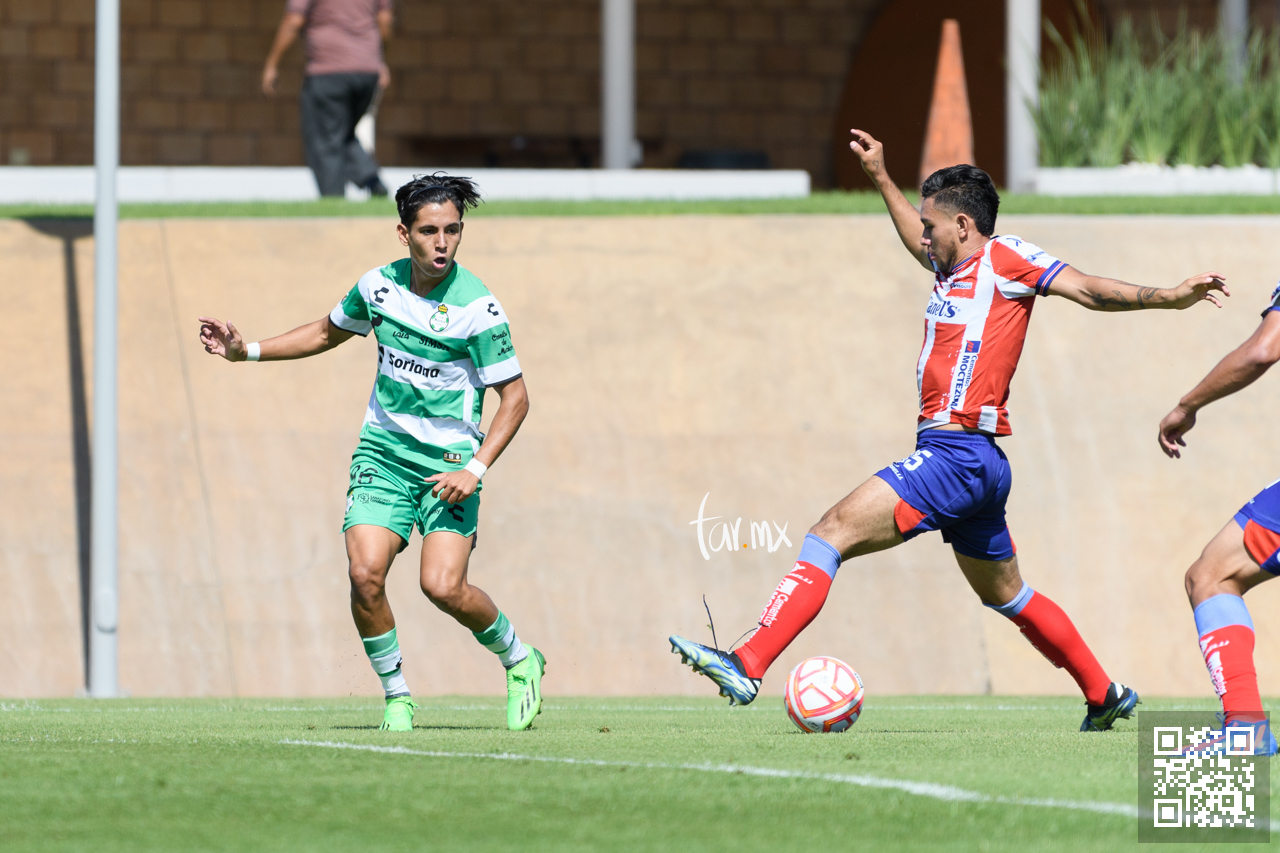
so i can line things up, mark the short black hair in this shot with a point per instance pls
(436, 188)
(967, 190)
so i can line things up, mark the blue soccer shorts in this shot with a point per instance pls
(956, 482)
(1260, 520)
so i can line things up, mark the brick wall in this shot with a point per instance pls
(763, 74)
(189, 83)
(1197, 13)
(750, 74)
(515, 77)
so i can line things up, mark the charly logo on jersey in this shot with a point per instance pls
(440, 320)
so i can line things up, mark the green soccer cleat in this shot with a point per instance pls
(399, 714)
(524, 690)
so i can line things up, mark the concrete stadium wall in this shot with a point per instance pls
(764, 364)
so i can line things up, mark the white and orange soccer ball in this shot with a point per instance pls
(823, 695)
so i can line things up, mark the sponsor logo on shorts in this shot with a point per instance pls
(366, 498)
(452, 457)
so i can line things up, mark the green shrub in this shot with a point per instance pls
(1148, 98)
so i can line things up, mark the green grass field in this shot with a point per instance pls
(915, 773)
(819, 202)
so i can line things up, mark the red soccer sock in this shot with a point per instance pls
(1049, 629)
(1228, 653)
(790, 610)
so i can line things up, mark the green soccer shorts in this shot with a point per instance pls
(380, 495)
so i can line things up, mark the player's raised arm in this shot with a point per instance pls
(513, 405)
(1237, 370)
(224, 339)
(1108, 294)
(870, 152)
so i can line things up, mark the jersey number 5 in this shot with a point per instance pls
(915, 460)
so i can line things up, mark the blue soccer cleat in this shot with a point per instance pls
(1120, 702)
(1264, 742)
(721, 667)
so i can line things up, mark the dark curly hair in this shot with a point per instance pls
(967, 190)
(436, 188)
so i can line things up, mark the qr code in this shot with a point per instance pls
(1204, 777)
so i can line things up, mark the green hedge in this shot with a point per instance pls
(1147, 98)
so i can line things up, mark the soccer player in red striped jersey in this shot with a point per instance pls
(958, 479)
(1245, 552)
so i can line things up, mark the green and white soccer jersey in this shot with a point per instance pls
(436, 355)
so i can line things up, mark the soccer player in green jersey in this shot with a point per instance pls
(442, 340)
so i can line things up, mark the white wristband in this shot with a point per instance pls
(254, 352)
(475, 466)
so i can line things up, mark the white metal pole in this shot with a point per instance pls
(1022, 93)
(618, 84)
(104, 607)
(1235, 33)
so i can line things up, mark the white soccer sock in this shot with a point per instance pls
(384, 655)
(500, 638)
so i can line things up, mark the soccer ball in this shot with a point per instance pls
(823, 695)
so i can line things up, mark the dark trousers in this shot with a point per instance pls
(331, 106)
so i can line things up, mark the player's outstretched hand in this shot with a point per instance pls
(1175, 425)
(222, 339)
(453, 486)
(1200, 288)
(869, 151)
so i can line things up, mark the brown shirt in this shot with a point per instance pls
(341, 35)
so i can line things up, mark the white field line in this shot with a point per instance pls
(919, 789)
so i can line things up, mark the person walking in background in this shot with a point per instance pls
(344, 73)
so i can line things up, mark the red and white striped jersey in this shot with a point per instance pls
(974, 329)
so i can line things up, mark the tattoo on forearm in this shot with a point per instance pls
(1116, 301)
(1136, 298)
